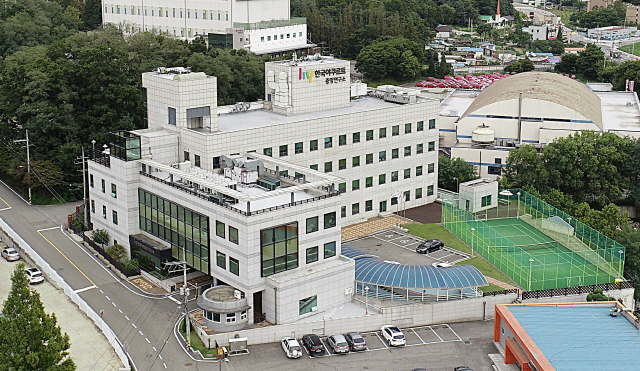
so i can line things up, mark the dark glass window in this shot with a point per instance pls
(312, 254)
(312, 224)
(329, 249)
(279, 249)
(329, 220)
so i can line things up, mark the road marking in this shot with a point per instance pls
(141, 333)
(414, 331)
(174, 299)
(147, 340)
(154, 349)
(61, 253)
(48, 229)
(127, 318)
(434, 331)
(160, 355)
(107, 297)
(134, 325)
(6, 203)
(114, 304)
(382, 340)
(102, 292)
(16, 193)
(164, 364)
(6, 208)
(85, 289)
(120, 310)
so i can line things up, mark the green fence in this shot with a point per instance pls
(535, 244)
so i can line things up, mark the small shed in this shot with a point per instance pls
(478, 195)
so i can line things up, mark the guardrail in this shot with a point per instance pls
(20, 243)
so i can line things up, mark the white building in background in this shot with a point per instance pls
(255, 194)
(611, 32)
(260, 26)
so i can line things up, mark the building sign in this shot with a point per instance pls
(330, 75)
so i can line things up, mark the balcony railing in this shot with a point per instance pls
(98, 156)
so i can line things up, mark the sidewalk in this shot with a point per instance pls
(505, 286)
(90, 350)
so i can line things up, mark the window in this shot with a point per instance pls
(231, 317)
(114, 192)
(313, 145)
(221, 260)
(368, 182)
(275, 37)
(395, 130)
(369, 158)
(382, 178)
(115, 216)
(383, 206)
(233, 235)
(196, 159)
(407, 196)
(312, 255)
(394, 176)
(356, 137)
(93, 206)
(308, 305)
(279, 248)
(172, 116)
(215, 317)
(407, 128)
(294, 34)
(485, 201)
(343, 211)
(328, 167)
(268, 37)
(342, 140)
(288, 36)
(261, 38)
(355, 185)
(342, 164)
(355, 209)
(103, 186)
(91, 180)
(420, 126)
(394, 201)
(368, 205)
(298, 147)
(382, 133)
(432, 146)
(431, 168)
(219, 229)
(430, 190)
(419, 148)
(369, 135)
(495, 170)
(328, 142)
(407, 151)
(314, 167)
(342, 187)
(234, 266)
(418, 170)
(216, 162)
(355, 161)
(407, 173)
(284, 150)
(300, 34)
(395, 153)
(418, 193)
(382, 156)
(186, 156)
(267, 151)
(329, 220)
(312, 224)
(432, 123)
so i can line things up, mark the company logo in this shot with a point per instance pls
(317, 74)
(305, 75)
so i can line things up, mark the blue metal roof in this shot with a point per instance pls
(370, 269)
(580, 337)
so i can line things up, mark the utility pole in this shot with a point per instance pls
(178, 266)
(28, 157)
(84, 189)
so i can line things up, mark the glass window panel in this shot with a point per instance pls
(189, 258)
(281, 233)
(160, 205)
(154, 215)
(196, 262)
(204, 266)
(280, 264)
(221, 260)
(233, 235)
(268, 252)
(281, 248)
(189, 232)
(329, 249)
(234, 266)
(174, 210)
(267, 236)
(329, 220)
(187, 216)
(312, 224)
(204, 253)
(312, 254)
(292, 261)
(292, 230)
(181, 227)
(268, 268)
(220, 229)
(292, 246)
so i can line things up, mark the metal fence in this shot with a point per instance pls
(11, 238)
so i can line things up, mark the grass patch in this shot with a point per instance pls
(491, 287)
(196, 342)
(386, 81)
(564, 14)
(436, 231)
(629, 48)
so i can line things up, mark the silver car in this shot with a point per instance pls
(10, 254)
(356, 341)
(338, 344)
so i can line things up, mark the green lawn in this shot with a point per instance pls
(196, 342)
(629, 48)
(564, 14)
(436, 231)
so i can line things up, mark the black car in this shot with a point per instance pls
(429, 246)
(313, 344)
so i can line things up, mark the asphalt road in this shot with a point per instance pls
(142, 322)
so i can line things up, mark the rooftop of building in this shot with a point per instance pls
(579, 336)
(312, 60)
(620, 111)
(478, 182)
(222, 294)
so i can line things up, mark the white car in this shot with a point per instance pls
(291, 347)
(10, 254)
(34, 275)
(442, 264)
(393, 335)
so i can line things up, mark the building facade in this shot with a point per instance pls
(255, 194)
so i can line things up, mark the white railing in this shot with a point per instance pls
(60, 282)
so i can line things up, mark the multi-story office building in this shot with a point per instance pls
(255, 194)
(260, 26)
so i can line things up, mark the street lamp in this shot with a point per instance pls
(93, 144)
(620, 263)
(530, 268)
(366, 298)
(473, 230)
(518, 206)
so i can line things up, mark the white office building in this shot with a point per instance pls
(259, 26)
(255, 194)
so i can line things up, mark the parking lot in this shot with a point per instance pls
(414, 336)
(396, 246)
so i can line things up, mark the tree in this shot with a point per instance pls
(100, 236)
(92, 17)
(483, 28)
(630, 239)
(567, 64)
(523, 65)
(30, 339)
(444, 68)
(116, 251)
(198, 45)
(388, 57)
(607, 221)
(590, 62)
(524, 168)
(448, 169)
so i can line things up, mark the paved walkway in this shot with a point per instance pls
(372, 225)
(90, 350)
(505, 286)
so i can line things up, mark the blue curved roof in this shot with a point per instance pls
(370, 269)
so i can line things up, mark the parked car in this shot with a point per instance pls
(462, 368)
(291, 347)
(421, 83)
(338, 344)
(34, 275)
(393, 335)
(442, 264)
(10, 254)
(356, 341)
(429, 246)
(313, 344)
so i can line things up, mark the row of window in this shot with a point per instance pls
(382, 178)
(275, 37)
(234, 264)
(166, 12)
(355, 161)
(233, 232)
(329, 222)
(229, 317)
(114, 214)
(103, 184)
(283, 151)
(368, 205)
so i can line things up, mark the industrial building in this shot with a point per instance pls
(530, 108)
(563, 337)
(255, 194)
(611, 33)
